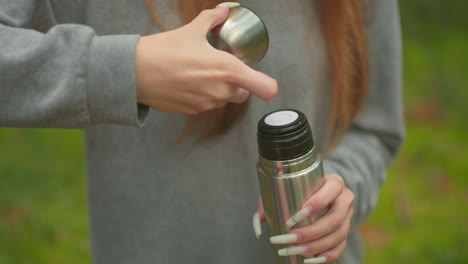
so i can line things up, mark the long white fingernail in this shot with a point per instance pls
(229, 4)
(284, 239)
(257, 225)
(299, 216)
(291, 251)
(315, 260)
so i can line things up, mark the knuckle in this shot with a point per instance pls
(339, 181)
(227, 72)
(216, 96)
(239, 96)
(210, 106)
(347, 226)
(337, 221)
(229, 92)
(332, 256)
(350, 195)
(352, 198)
(203, 107)
(226, 62)
(335, 253)
(318, 246)
(206, 13)
(337, 178)
(302, 236)
(317, 204)
(343, 234)
(244, 96)
(222, 95)
(308, 249)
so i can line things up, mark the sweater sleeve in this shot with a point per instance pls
(65, 77)
(376, 134)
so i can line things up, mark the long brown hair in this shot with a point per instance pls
(342, 26)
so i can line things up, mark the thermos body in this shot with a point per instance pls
(289, 172)
(285, 186)
(289, 167)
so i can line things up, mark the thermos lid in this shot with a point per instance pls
(284, 135)
(243, 34)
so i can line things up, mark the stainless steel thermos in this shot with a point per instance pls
(289, 171)
(289, 168)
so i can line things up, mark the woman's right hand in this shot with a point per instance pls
(180, 72)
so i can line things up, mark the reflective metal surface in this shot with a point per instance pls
(285, 186)
(243, 34)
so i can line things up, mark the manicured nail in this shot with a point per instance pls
(284, 239)
(291, 251)
(315, 260)
(299, 216)
(256, 225)
(229, 4)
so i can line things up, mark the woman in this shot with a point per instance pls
(151, 201)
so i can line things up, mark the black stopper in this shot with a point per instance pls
(286, 139)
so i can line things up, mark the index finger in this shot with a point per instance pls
(256, 82)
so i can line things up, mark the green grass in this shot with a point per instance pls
(422, 213)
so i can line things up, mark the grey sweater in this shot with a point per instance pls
(71, 64)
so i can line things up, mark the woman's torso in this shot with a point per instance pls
(155, 202)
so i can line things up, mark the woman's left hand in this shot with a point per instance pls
(325, 239)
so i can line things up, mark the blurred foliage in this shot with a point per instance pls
(423, 208)
(43, 213)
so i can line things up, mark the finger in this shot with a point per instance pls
(253, 81)
(320, 245)
(225, 94)
(210, 18)
(332, 240)
(330, 190)
(240, 96)
(261, 212)
(257, 225)
(331, 255)
(330, 222)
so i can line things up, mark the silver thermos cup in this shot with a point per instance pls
(243, 34)
(289, 172)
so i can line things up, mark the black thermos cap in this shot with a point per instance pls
(284, 135)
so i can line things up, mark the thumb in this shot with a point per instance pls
(210, 18)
